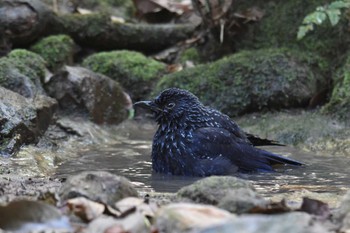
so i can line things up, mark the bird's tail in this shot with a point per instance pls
(275, 159)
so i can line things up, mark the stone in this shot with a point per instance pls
(98, 186)
(295, 222)
(342, 213)
(187, 217)
(80, 91)
(134, 222)
(241, 201)
(22, 120)
(31, 216)
(212, 190)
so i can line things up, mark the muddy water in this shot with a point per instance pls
(130, 157)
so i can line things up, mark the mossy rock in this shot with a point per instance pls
(135, 72)
(339, 105)
(279, 27)
(56, 50)
(22, 71)
(302, 129)
(250, 81)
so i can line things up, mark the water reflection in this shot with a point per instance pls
(130, 157)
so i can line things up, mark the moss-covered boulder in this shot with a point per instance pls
(56, 50)
(252, 80)
(22, 71)
(135, 72)
(301, 129)
(279, 27)
(339, 104)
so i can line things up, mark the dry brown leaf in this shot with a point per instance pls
(137, 204)
(250, 14)
(272, 208)
(86, 209)
(214, 9)
(174, 68)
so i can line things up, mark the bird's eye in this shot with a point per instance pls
(170, 105)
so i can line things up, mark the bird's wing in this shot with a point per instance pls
(257, 141)
(211, 142)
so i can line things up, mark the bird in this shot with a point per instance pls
(196, 140)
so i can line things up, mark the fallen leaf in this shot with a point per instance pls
(272, 208)
(174, 68)
(250, 14)
(84, 208)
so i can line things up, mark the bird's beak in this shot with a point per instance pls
(148, 105)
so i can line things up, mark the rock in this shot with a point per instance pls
(31, 216)
(135, 222)
(250, 81)
(22, 71)
(344, 208)
(23, 21)
(302, 130)
(56, 50)
(135, 72)
(45, 109)
(81, 91)
(212, 190)
(241, 201)
(345, 225)
(185, 217)
(98, 186)
(22, 120)
(295, 222)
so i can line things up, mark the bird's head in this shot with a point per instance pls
(170, 104)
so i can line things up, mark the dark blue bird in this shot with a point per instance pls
(194, 140)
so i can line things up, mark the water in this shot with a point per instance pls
(130, 157)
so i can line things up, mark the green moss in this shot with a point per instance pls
(279, 27)
(56, 50)
(27, 63)
(89, 25)
(251, 80)
(190, 54)
(133, 70)
(339, 104)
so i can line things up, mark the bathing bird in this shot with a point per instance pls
(195, 140)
